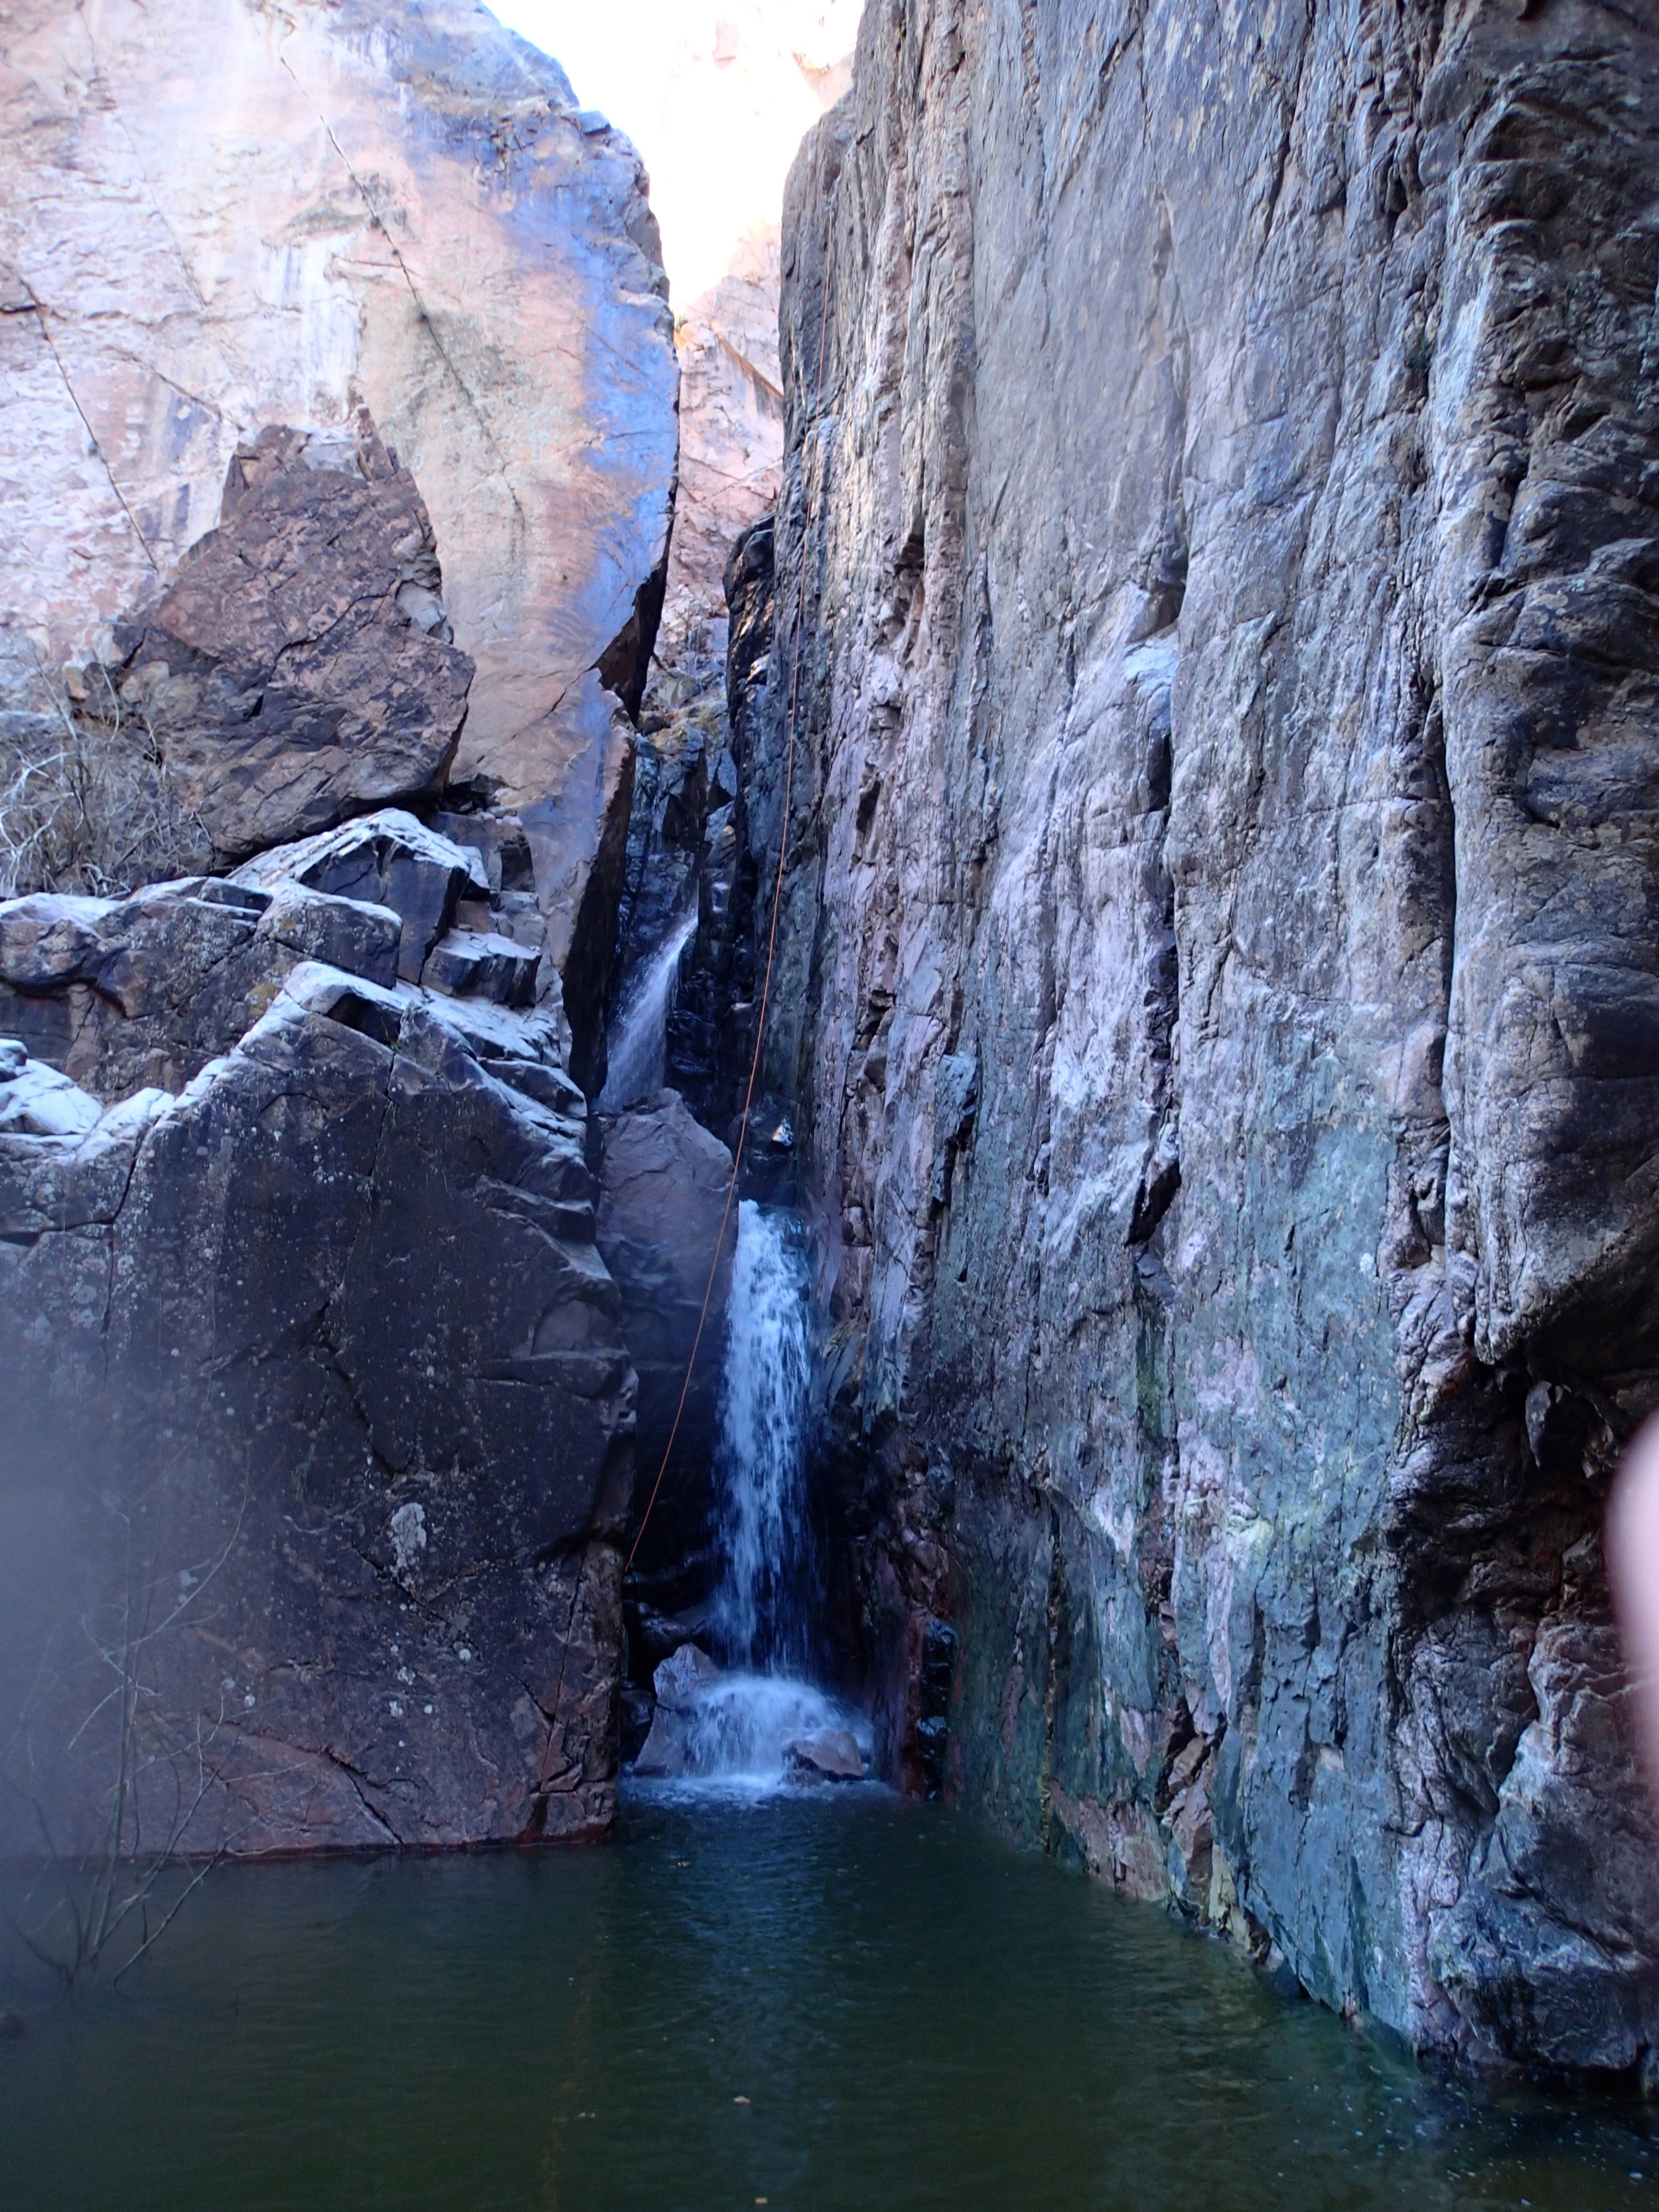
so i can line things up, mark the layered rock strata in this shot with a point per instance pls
(318, 1445)
(1222, 511)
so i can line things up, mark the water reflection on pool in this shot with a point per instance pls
(811, 2002)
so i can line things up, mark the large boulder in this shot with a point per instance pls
(318, 1411)
(298, 668)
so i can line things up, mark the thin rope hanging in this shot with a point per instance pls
(771, 953)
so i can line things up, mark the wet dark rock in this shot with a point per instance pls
(635, 1708)
(653, 1636)
(667, 1230)
(679, 1681)
(1225, 626)
(831, 1755)
(299, 667)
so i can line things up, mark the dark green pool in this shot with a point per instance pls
(842, 2002)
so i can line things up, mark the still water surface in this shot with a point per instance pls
(808, 2003)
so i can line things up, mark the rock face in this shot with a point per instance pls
(1216, 983)
(730, 446)
(216, 218)
(663, 1216)
(319, 1445)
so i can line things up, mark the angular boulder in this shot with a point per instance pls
(680, 1682)
(388, 859)
(318, 1407)
(471, 964)
(829, 1755)
(122, 995)
(298, 668)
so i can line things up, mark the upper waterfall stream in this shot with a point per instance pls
(639, 1036)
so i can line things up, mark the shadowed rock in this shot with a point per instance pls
(300, 668)
(316, 1387)
(388, 859)
(1216, 988)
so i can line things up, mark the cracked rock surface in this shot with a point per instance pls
(298, 668)
(1221, 512)
(320, 1419)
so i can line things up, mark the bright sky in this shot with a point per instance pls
(715, 94)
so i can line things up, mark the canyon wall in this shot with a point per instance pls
(222, 216)
(1219, 569)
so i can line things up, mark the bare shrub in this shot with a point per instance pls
(98, 1907)
(87, 801)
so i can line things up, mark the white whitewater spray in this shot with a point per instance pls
(638, 1039)
(748, 1729)
(761, 1603)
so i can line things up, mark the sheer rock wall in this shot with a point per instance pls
(1221, 531)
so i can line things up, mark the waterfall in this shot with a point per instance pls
(760, 1605)
(639, 1037)
(763, 1722)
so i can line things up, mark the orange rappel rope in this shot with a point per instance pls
(766, 983)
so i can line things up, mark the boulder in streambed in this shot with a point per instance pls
(829, 1755)
(685, 1677)
(680, 1681)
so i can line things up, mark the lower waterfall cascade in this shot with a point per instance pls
(762, 1603)
(747, 1726)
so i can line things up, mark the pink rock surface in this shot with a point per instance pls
(216, 216)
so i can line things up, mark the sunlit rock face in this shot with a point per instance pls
(337, 440)
(215, 217)
(731, 450)
(1216, 979)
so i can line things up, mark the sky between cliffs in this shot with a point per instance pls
(716, 98)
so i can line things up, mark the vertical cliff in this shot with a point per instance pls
(1221, 537)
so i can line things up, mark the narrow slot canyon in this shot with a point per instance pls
(829, 1103)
